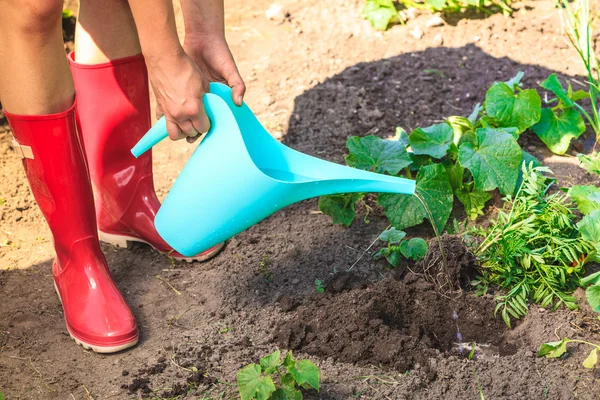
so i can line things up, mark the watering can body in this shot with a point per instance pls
(239, 175)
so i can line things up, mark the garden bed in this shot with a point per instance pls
(314, 80)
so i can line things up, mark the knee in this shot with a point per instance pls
(34, 16)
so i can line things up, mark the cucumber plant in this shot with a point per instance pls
(259, 381)
(463, 158)
(398, 247)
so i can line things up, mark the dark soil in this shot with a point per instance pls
(314, 79)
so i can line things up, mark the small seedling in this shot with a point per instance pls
(319, 286)
(414, 249)
(259, 381)
(225, 330)
(472, 352)
(557, 349)
(263, 268)
(1, 395)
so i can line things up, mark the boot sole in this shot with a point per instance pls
(122, 241)
(95, 348)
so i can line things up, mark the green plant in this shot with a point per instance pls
(263, 268)
(1, 395)
(557, 349)
(319, 286)
(66, 13)
(414, 249)
(577, 22)
(381, 13)
(463, 158)
(533, 250)
(259, 381)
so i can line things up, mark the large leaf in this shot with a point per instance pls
(494, 163)
(474, 201)
(380, 13)
(433, 185)
(587, 198)
(372, 153)
(553, 84)
(592, 295)
(306, 373)
(520, 110)
(557, 131)
(433, 141)
(590, 162)
(340, 207)
(252, 384)
(415, 248)
(436, 4)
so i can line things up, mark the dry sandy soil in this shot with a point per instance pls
(314, 78)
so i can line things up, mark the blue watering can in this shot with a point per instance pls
(239, 175)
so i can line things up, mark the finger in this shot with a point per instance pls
(175, 133)
(236, 83)
(188, 129)
(201, 122)
(158, 113)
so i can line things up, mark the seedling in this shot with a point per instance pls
(263, 268)
(277, 380)
(557, 349)
(1, 395)
(398, 247)
(319, 286)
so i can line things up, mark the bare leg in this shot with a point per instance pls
(34, 72)
(105, 31)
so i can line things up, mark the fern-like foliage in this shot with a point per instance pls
(532, 251)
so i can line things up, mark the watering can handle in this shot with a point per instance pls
(157, 133)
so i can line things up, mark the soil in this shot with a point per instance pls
(315, 77)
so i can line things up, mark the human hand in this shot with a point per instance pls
(179, 86)
(213, 57)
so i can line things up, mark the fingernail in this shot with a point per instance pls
(239, 100)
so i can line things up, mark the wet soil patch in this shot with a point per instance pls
(401, 320)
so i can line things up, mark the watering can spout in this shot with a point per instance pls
(240, 175)
(157, 133)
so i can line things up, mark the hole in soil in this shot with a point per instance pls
(399, 321)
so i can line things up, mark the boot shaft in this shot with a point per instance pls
(55, 166)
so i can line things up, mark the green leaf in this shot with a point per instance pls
(288, 361)
(305, 372)
(590, 162)
(392, 235)
(287, 394)
(495, 162)
(2, 396)
(587, 198)
(436, 4)
(473, 201)
(252, 385)
(340, 207)
(459, 125)
(557, 131)
(401, 136)
(372, 153)
(553, 349)
(589, 228)
(593, 279)
(553, 85)
(433, 184)
(433, 141)
(520, 110)
(591, 359)
(270, 363)
(380, 13)
(456, 173)
(415, 248)
(287, 380)
(393, 257)
(592, 294)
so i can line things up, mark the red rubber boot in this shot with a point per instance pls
(96, 314)
(113, 109)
